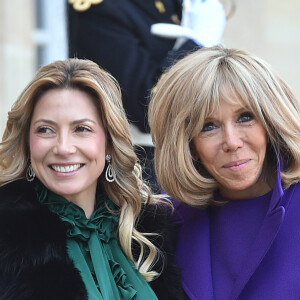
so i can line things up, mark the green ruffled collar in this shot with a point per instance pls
(78, 226)
(93, 246)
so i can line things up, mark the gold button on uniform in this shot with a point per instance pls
(160, 6)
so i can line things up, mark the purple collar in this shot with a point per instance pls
(193, 247)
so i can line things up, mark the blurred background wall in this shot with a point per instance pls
(271, 30)
(33, 33)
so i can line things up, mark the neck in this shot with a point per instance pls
(252, 192)
(87, 207)
(86, 202)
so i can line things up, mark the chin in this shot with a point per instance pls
(63, 189)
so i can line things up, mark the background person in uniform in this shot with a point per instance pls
(227, 133)
(75, 228)
(117, 35)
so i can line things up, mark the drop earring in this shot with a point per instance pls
(110, 174)
(30, 175)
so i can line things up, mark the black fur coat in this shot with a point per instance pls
(34, 264)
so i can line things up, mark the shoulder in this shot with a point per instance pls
(157, 218)
(290, 197)
(102, 10)
(33, 258)
(153, 216)
(27, 228)
(184, 213)
(12, 192)
(295, 188)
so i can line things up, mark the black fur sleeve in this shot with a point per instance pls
(158, 219)
(33, 261)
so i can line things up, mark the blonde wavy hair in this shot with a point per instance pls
(128, 191)
(190, 91)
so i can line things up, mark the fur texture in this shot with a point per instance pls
(158, 219)
(33, 258)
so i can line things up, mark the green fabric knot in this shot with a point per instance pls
(125, 289)
(102, 221)
(93, 246)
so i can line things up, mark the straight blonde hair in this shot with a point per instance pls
(189, 92)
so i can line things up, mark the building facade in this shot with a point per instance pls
(33, 33)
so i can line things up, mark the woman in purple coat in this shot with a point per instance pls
(227, 134)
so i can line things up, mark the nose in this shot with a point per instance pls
(232, 139)
(64, 146)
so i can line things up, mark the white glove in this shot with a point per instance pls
(203, 21)
(206, 20)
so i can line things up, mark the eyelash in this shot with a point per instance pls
(44, 129)
(206, 125)
(47, 130)
(247, 115)
(83, 129)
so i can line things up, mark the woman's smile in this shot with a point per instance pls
(237, 165)
(66, 168)
(68, 143)
(232, 147)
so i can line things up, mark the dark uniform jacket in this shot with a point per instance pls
(34, 264)
(116, 35)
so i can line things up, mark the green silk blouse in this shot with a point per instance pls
(93, 246)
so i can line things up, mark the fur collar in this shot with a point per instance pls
(33, 258)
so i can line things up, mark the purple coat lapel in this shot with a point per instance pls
(193, 245)
(264, 239)
(193, 248)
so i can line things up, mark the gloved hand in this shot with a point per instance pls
(206, 20)
(203, 21)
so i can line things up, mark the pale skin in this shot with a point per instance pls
(232, 147)
(68, 145)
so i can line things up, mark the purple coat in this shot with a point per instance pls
(272, 268)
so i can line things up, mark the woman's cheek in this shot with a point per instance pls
(37, 146)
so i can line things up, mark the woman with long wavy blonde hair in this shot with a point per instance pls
(71, 195)
(227, 133)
